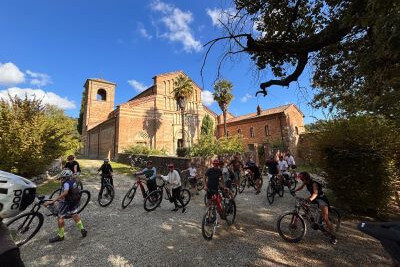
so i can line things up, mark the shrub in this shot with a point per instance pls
(229, 146)
(359, 155)
(144, 150)
(32, 135)
(205, 147)
(183, 152)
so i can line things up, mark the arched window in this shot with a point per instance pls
(266, 128)
(239, 131)
(252, 132)
(297, 130)
(101, 95)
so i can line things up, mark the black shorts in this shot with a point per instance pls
(193, 181)
(228, 184)
(211, 192)
(66, 209)
(293, 167)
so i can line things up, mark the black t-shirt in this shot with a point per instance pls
(272, 167)
(213, 175)
(255, 170)
(106, 169)
(71, 165)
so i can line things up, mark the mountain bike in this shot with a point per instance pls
(249, 180)
(224, 192)
(274, 187)
(292, 227)
(225, 207)
(106, 193)
(132, 191)
(153, 200)
(289, 180)
(198, 182)
(26, 225)
(136, 162)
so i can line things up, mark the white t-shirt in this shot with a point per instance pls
(283, 166)
(225, 174)
(192, 172)
(290, 160)
(173, 178)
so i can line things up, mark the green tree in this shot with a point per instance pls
(182, 91)
(81, 112)
(205, 147)
(32, 135)
(223, 95)
(353, 45)
(228, 146)
(207, 126)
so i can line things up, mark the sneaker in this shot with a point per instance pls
(175, 209)
(184, 210)
(57, 238)
(333, 241)
(84, 232)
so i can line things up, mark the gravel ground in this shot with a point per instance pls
(134, 237)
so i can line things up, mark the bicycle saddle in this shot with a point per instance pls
(41, 197)
(388, 233)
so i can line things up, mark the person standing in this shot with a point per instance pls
(237, 166)
(174, 180)
(106, 170)
(73, 165)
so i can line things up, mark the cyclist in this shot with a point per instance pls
(151, 173)
(228, 178)
(106, 170)
(174, 180)
(68, 203)
(256, 174)
(11, 205)
(72, 165)
(283, 168)
(213, 175)
(237, 166)
(317, 197)
(273, 166)
(192, 176)
(290, 161)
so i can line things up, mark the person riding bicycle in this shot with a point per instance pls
(256, 174)
(16, 194)
(192, 176)
(174, 180)
(213, 176)
(318, 197)
(72, 165)
(150, 173)
(106, 170)
(273, 166)
(283, 168)
(237, 166)
(228, 178)
(290, 161)
(68, 203)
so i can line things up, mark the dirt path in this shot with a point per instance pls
(134, 237)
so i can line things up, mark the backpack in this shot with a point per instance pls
(74, 193)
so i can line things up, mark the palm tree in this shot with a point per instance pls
(183, 90)
(223, 95)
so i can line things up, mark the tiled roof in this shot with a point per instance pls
(142, 94)
(263, 113)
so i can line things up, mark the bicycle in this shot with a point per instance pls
(289, 180)
(224, 191)
(21, 225)
(198, 183)
(136, 161)
(226, 209)
(106, 193)
(58, 191)
(289, 222)
(274, 187)
(132, 191)
(249, 180)
(153, 200)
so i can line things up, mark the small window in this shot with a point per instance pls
(297, 130)
(252, 132)
(266, 128)
(239, 131)
(227, 133)
(101, 95)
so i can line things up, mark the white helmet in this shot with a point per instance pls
(16, 194)
(66, 173)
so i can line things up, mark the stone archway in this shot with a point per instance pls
(178, 139)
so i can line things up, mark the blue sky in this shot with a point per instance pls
(49, 48)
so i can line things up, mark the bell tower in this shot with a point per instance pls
(99, 102)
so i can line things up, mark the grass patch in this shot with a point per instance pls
(48, 187)
(122, 168)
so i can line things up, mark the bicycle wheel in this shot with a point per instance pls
(292, 183)
(208, 224)
(24, 227)
(242, 186)
(56, 192)
(205, 199)
(106, 195)
(153, 200)
(235, 190)
(281, 190)
(270, 194)
(255, 184)
(230, 212)
(335, 218)
(80, 185)
(200, 184)
(291, 227)
(185, 196)
(128, 197)
(85, 198)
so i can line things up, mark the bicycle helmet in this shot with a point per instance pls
(106, 160)
(66, 173)
(16, 194)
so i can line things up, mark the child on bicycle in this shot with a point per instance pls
(192, 177)
(106, 170)
(68, 204)
(151, 173)
(174, 180)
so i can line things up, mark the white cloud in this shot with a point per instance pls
(207, 98)
(143, 31)
(39, 79)
(46, 97)
(10, 74)
(246, 97)
(218, 15)
(138, 86)
(177, 23)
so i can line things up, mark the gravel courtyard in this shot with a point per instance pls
(134, 237)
